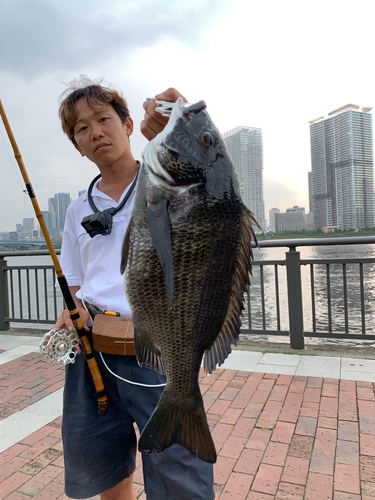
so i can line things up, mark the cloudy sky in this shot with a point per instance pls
(271, 64)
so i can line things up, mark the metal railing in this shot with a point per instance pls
(330, 297)
(321, 297)
(27, 292)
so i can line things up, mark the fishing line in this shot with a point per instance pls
(11, 161)
(16, 172)
(25, 213)
(84, 305)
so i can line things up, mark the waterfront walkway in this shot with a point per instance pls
(285, 426)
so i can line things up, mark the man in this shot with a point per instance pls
(99, 451)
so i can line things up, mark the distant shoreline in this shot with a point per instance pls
(300, 235)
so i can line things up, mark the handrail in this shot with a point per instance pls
(278, 302)
(289, 243)
(306, 242)
(25, 253)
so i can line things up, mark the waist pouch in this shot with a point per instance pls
(112, 334)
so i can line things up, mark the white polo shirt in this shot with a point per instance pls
(97, 260)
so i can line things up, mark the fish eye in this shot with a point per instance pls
(206, 139)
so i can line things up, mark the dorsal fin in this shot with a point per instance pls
(230, 330)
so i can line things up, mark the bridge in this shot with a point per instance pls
(25, 244)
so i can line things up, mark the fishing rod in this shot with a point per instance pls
(101, 392)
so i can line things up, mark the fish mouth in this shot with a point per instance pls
(158, 174)
(193, 109)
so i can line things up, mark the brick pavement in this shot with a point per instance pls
(277, 436)
(25, 381)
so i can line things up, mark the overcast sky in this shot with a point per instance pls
(271, 64)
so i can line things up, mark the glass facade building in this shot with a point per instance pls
(245, 146)
(342, 169)
(57, 207)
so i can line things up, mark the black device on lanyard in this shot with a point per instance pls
(101, 222)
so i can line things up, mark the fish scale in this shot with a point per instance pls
(186, 258)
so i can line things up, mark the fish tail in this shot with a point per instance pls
(171, 424)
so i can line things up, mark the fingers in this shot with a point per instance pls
(85, 316)
(69, 325)
(153, 122)
(65, 321)
(170, 95)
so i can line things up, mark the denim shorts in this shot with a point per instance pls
(99, 452)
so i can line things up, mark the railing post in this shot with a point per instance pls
(293, 272)
(4, 302)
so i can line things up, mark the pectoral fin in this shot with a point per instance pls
(160, 230)
(147, 354)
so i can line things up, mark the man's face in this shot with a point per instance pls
(100, 135)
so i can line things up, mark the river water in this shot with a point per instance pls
(336, 294)
(263, 254)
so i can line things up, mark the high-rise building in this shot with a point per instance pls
(310, 192)
(47, 218)
(272, 213)
(296, 208)
(80, 193)
(291, 220)
(342, 168)
(28, 224)
(52, 211)
(309, 218)
(57, 207)
(245, 146)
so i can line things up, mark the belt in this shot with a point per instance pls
(111, 333)
(93, 310)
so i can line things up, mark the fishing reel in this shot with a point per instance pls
(59, 346)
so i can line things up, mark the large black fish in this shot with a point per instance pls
(187, 258)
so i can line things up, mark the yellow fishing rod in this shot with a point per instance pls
(101, 393)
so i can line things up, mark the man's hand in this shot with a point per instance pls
(65, 321)
(153, 122)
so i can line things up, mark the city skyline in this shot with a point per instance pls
(144, 49)
(241, 142)
(54, 217)
(340, 183)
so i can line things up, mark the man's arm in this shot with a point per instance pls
(153, 122)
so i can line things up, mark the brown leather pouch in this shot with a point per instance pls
(113, 335)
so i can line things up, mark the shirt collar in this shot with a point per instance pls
(99, 194)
